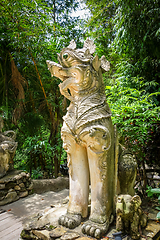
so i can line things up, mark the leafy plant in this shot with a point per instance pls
(134, 112)
(150, 192)
(37, 173)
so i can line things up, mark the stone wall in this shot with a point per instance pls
(45, 185)
(15, 185)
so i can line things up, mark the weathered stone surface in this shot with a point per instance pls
(57, 232)
(152, 229)
(17, 188)
(129, 215)
(23, 174)
(87, 238)
(70, 236)
(19, 181)
(90, 139)
(3, 193)
(43, 234)
(1, 198)
(2, 186)
(55, 185)
(10, 185)
(22, 185)
(11, 190)
(24, 179)
(28, 235)
(11, 176)
(27, 175)
(152, 214)
(23, 194)
(10, 197)
(66, 200)
(30, 186)
(37, 224)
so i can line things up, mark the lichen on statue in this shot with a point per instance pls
(7, 149)
(88, 138)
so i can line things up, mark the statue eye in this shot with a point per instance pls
(65, 56)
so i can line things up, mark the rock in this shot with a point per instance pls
(66, 200)
(19, 181)
(3, 193)
(37, 224)
(10, 197)
(11, 190)
(21, 185)
(152, 215)
(152, 229)
(28, 235)
(23, 194)
(45, 185)
(1, 198)
(13, 182)
(27, 175)
(70, 236)
(27, 184)
(17, 177)
(23, 174)
(10, 185)
(30, 186)
(87, 238)
(17, 188)
(58, 232)
(2, 186)
(30, 192)
(24, 180)
(43, 234)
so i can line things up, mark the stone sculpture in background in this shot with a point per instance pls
(129, 215)
(7, 149)
(91, 141)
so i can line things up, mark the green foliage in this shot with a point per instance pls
(32, 32)
(37, 173)
(100, 24)
(150, 192)
(127, 32)
(137, 36)
(134, 112)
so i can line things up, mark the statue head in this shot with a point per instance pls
(70, 56)
(80, 71)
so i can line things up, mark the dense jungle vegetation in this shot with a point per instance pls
(127, 32)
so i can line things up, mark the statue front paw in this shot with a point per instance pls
(70, 220)
(94, 229)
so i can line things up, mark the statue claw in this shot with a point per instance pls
(70, 220)
(95, 229)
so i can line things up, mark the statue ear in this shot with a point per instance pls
(105, 65)
(136, 201)
(96, 63)
(89, 44)
(72, 45)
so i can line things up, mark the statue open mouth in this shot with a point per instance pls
(56, 70)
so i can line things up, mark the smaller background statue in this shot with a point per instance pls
(7, 149)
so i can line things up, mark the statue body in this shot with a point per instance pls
(88, 138)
